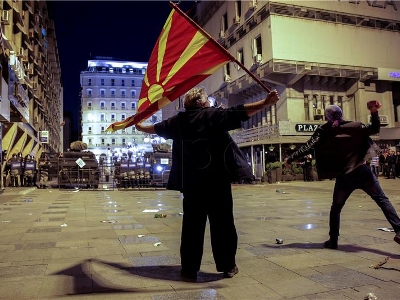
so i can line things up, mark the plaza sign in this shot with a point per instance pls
(306, 127)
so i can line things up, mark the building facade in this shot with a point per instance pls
(110, 93)
(315, 53)
(31, 104)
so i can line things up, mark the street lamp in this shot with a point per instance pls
(271, 148)
(292, 147)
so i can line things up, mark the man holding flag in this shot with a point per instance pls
(205, 160)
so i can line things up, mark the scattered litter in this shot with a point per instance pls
(28, 200)
(377, 266)
(160, 216)
(157, 244)
(279, 241)
(140, 235)
(285, 193)
(6, 221)
(109, 221)
(386, 229)
(181, 214)
(370, 296)
(30, 214)
(360, 206)
(63, 225)
(151, 210)
(139, 202)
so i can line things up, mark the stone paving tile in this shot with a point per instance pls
(20, 287)
(18, 271)
(22, 255)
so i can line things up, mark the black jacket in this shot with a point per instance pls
(340, 149)
(203, 152)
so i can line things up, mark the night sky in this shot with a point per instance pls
(125, 30)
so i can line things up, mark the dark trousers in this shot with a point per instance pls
(216, 204)
(360, 178)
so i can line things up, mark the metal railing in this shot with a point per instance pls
(254, 134)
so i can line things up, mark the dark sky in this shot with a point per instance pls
(121, 29)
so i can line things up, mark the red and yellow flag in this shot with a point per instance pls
(183, 56)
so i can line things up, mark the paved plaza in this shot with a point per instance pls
(107, 244)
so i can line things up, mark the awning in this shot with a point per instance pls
(390, 133)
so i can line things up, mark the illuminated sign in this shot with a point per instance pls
(394, 74)
(306, 127)
(44, 136)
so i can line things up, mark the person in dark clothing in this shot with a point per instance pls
(307, 168)
(341, 149)
(204, 163)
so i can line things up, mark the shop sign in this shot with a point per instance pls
(44, 136)
(306, 127)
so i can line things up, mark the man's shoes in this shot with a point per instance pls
(232, 272)
(397, 238)
(188, 276)
(330, 244)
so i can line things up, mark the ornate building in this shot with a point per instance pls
(31, 90)
(110, 93)
(315, 53)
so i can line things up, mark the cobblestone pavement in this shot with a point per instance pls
(107, 244)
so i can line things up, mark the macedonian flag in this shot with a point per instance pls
(183, 56)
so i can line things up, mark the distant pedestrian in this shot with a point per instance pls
(341, 149)
(375, 165)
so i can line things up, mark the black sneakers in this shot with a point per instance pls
(397, 238)
(188, 276)
(231, 273)
(330, 244)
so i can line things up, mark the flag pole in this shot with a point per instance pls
(174, 6)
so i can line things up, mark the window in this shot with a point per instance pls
(112, 105)
(113, 141)
(112, 93)
(103, 129)
(90, 141)
(103, 141)
(111, 70)
(224, 22)
(112, 82)
(89, 81)
(102, 117)
(133, 82)
(112, 117)
(123, 141)
(123, 105)
(123, 117)
(133, 105)
(102, 105)
(102, 93)
(133, 94)
(228, 69)
(257, 49)
(89, 93)
(89, 105)
(102, 81)
(123, 93)
(90, 130)
(123, 82)
(240, 57)
(238, 12)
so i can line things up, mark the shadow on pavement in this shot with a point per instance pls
(84, 273)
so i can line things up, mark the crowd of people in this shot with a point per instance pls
(25, 171)
(386, 164)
